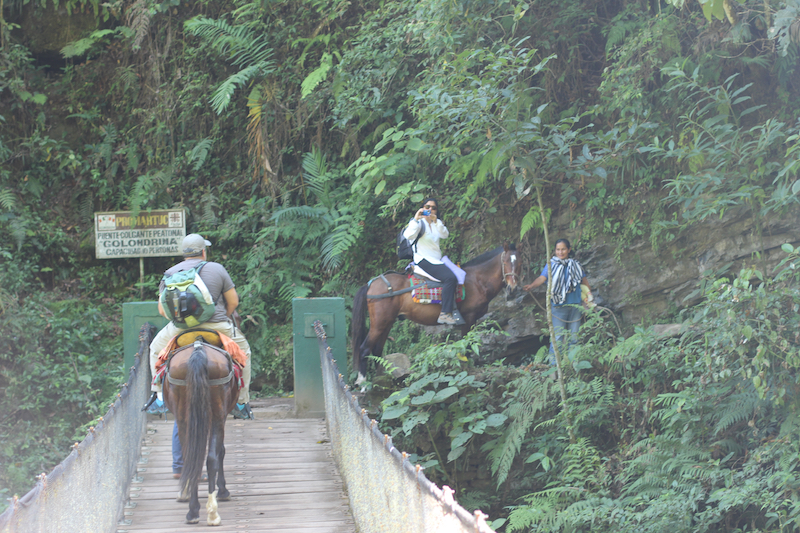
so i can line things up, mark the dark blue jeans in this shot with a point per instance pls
(177, 452)
(566, 321)
(449, 283)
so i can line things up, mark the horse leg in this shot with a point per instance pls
(213, 468)
(216, 455)
(380, 324)
(224, 493)
(364, 350)
(193, 516)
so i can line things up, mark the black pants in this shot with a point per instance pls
(449, 283)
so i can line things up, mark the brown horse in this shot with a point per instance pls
(200, 389)
(487, 274)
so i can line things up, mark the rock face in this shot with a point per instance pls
(45, 31)
(649, 284)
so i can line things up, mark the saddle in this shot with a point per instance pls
(218, 340)
(432, 292)
(207, 336)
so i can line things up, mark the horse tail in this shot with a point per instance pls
(359, 324)
(199, 399)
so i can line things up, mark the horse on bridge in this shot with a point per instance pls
(200, 388)
(487, 274)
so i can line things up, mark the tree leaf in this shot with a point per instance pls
(444, 394)
(394, 412)
(496, 419)
(455, 454)
(461, 439)
(425, 398)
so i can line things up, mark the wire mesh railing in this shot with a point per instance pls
(87, 491)
(387, 493)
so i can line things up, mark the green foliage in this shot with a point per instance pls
(55, 381)
(785, 27)
(242, 47)
(723, 164)
(443, 405)
(81, 46)
(354, 113)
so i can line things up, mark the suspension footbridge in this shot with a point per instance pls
(333, 474)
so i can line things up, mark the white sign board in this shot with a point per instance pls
(149, 234)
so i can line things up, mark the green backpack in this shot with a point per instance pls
(186, 299)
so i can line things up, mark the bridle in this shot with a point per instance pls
(503, 266)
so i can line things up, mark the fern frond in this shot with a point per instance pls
(242, 47)
(147, 187)
(317, 75)
(593, 401)
(200, 153)
(222, 96)
(346, 234)
(237, 42)
(737, 408)
(86, 209)
(294, 289)
(532, 394)
(138, 19)
(133, 157)
(127, 75)
(301, 211)
(106, 149)
(315, 176)
(7, 199)
(209, 202)
(19, 230)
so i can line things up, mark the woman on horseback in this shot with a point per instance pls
(428, 257)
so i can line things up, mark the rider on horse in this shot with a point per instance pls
(223, 292)
(428, 257)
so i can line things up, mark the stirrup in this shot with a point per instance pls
(150, 402)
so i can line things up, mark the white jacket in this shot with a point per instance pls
(428, 245)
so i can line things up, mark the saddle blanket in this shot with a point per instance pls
(426, 295)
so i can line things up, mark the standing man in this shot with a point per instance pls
(225, 298)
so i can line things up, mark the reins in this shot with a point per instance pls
(602, 309)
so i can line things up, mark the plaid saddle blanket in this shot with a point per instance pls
(425, 295)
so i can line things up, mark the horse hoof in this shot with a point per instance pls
(181, 498)
(224, 496)
(212, 516)
(194, 520)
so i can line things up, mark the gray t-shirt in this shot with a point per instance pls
(216, 279)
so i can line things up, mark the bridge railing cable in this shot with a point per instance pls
(387, 493)
(87, 491)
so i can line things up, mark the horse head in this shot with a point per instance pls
(512, 269)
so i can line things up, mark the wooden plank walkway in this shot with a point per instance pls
(280, 472)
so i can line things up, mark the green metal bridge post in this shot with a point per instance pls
(134, 315)
(309, 398)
